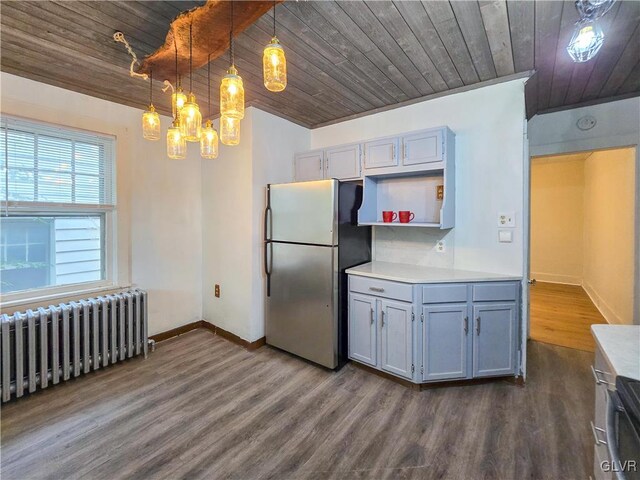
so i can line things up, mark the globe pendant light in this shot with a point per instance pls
(229, 130)
(150, 118)
(586, 41)
(231, 88)
(190, 116)
(176, 143)
(274, 63)
(209, 137)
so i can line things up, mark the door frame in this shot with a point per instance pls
(576, 146)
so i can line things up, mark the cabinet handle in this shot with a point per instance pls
(466, 325)
(595, 431)
(404, 151)
(478, 326)
(376, 289)
(382, 319)
(598, 380)
(372, 316)
(393, 151)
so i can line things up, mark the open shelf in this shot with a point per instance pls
(415, 192)
(398, 224)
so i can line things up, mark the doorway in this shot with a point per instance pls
(582, 244)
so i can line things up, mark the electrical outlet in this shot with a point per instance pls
(506, 219)
(440, 246)
(217, 290)
(440, 192)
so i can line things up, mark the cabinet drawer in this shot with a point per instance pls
(491, 292)
(444, 293)
(381, 288)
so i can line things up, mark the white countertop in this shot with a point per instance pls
(401, 272)
(621, 347)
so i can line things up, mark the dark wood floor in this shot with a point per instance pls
(201, 407)
(562, 315)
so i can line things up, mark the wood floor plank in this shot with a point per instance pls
(563, 315)
(202, 407)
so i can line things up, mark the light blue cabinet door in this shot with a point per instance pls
(381, 153)
(309, 166)
(445, 342)
(343, 163)
(423, 147)
(494, 342)
(396, 331)
(362, 328)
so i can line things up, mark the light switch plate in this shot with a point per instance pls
(507, 219)
(505, 236)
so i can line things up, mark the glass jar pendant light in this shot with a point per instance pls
(178, 99)
(274, 63)
(176, 144)
(209, 136)
(150, 118)
(231, 88)
(229, 130)
(190, 116)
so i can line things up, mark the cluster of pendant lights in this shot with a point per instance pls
(588, 36)
(187, 119)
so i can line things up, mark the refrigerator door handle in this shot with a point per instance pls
(268, 247)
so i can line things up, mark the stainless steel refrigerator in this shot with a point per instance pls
(311, 237)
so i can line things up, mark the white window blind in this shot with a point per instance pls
(49, 167)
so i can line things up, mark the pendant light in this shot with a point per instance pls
(150, 118)
(231, 88)
(209, 137)
(586, 41)
(274, 63)
(176, 144)
(178, 98)
(190, 116)
(229, 130)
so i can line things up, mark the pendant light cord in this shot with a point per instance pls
(190, 59)
(209, 84)
(231, 37)
(150, 87)
(274, 18)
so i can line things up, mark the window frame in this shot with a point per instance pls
(108, 212)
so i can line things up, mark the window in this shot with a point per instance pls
(57, 193)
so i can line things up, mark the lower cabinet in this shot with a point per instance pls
(464, 330)
(445, 342)
(362, 328)
(396, 337)
(495, 336)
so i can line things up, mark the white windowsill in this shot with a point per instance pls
(47, 299)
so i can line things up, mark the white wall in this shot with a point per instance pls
(557, 219)
(233, 192)
(489, 126)
(608, 232)
(159, 241)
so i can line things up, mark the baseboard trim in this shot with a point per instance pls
(174, 332)
(553, 278)
(602, 306)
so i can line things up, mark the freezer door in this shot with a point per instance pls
(302, 309)
(304, 212)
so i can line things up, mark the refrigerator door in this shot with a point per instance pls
(302, 308)
(304, 212)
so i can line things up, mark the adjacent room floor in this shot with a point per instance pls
(563, 315)
(201, 407)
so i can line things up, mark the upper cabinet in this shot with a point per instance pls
(414, 172)
(343, 162)
(380, 153)
(309, 166)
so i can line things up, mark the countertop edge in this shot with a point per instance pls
(414, 281)
(615, 365)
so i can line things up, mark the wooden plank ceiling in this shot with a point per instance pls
(344, 58)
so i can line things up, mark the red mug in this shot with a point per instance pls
(389, 216)
(405, 216)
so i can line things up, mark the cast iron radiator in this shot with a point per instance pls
(43, 347)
